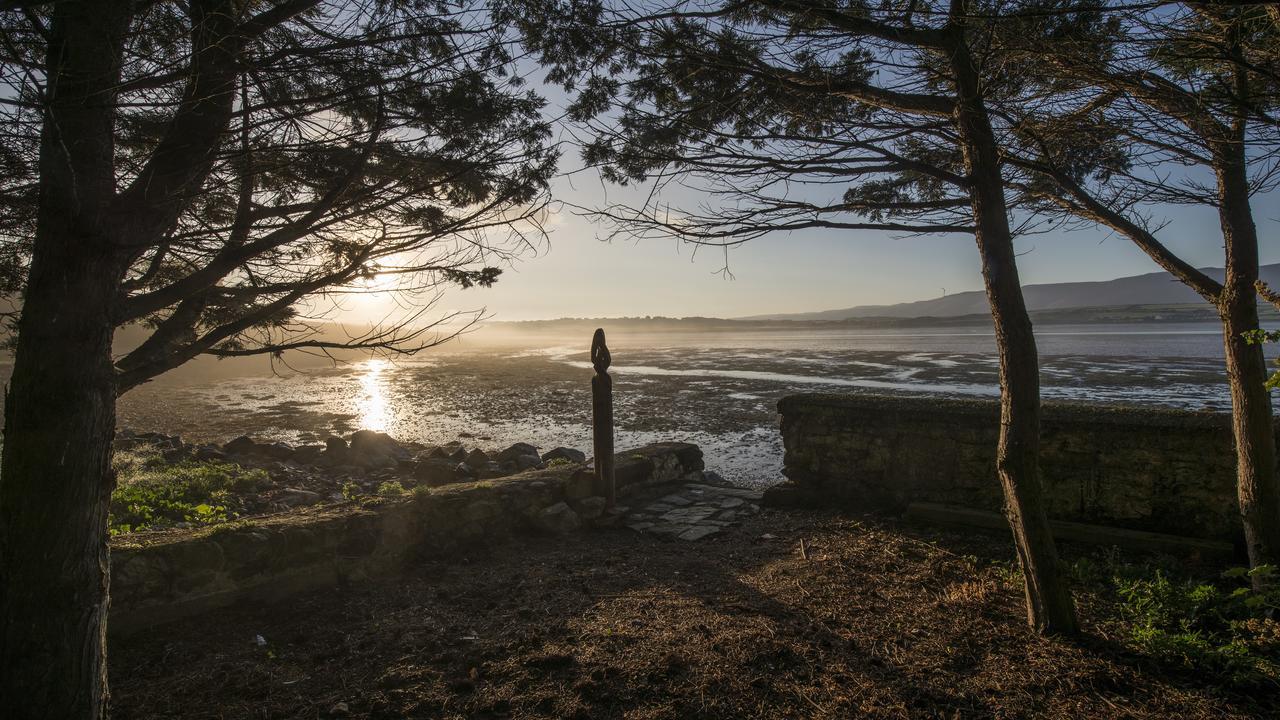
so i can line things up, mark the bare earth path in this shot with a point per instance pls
(879, 620)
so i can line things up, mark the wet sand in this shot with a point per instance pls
(719, 392)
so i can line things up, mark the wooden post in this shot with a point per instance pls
(602, 419)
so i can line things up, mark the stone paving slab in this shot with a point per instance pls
(694, 512)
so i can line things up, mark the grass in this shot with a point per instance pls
(152, 494)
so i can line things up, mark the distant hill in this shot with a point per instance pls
(1158, 288)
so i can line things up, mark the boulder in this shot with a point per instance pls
(242, 445)
(477, 458)
(528, 462)
(464, 472)
(436, 471)
(372, 450)
(370, 442)
(439, 452)
(458, 454)
(516, 451)
(564, 453)
(335, 445)
(559, 519)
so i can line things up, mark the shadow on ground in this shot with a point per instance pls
(870, 619)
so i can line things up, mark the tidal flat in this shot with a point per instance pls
(718, 390)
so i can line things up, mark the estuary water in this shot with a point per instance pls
(718, 389)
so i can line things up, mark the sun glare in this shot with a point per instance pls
(372, 405)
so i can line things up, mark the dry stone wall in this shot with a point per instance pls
(161, 576)
(1166, 471)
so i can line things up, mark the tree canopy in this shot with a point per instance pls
(268, 159)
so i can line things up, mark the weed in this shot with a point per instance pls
(391, 488)
(151, 493)
(1225, 627)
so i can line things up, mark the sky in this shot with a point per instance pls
(582, 275)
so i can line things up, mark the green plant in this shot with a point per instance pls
(351, 491)
(1258, 337)
(391, 488)
(151, 493)
(1228, 629)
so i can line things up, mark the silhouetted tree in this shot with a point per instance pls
(222, 172)
(768, 105)
(1142, 106)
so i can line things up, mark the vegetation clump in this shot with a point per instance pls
(153, 494)
(1225, 629)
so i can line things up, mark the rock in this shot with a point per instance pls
(242, 445)
(340, 710)
(559, 518)
(464, 472)
(491, 470)
(697, 532)
(210, 453)
(580, 484)
(436, 471)
(528, 462)
(276, 451)
(439, 452)
(335, 445)
(477, 458)
(307, 454)
(458, 454)
(515, 451)
(369, 441)
(564, 453)
(374, 450)
(297, 497)
(712, 477)
(173, 456)
(590, 508)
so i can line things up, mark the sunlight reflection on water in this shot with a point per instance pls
(372, 406)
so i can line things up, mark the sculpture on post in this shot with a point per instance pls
(602, 419)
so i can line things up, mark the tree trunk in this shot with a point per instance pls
(55, 488)
(1251, 420)
(55, 475)
(1049, 605)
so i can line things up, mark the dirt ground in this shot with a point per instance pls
(872, 619)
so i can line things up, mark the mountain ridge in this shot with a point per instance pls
(1157, 288)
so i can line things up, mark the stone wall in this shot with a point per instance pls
(161, 576)
(1167, 471)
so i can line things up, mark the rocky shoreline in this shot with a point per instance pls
(363, 463)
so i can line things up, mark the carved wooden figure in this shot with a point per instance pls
(602, 419)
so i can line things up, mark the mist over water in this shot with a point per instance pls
(717, 389)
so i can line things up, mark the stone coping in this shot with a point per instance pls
(989, 408)
(162, 576)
